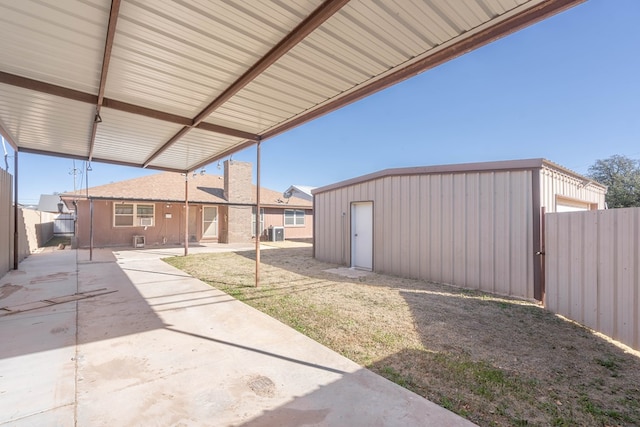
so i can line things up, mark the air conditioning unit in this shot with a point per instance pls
(146, 222)
(138, 241)
(276, 234)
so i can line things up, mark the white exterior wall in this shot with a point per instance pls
(469, 229)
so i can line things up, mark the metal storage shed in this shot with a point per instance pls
(472, 225)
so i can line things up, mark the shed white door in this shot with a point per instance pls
(362, 235)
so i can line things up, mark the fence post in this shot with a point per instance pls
(543, 293)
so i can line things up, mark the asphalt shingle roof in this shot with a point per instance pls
(169, 186)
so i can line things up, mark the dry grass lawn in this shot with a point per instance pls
(493, 360)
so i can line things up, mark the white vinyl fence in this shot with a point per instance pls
(593, 270)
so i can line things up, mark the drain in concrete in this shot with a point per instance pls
(262, 386)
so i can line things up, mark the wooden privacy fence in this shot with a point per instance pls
(592, 262)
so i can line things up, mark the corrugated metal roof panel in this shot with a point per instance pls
(125, 137)
(194, 148)
(177, 56)
(257, 67)
(56, 42)
(449, 23)
(359, 43)
(235, 116)
(45, 122)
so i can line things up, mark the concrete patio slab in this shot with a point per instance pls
(167, 349)
(351, 273)
(37, 354)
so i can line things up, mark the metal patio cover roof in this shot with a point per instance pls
(176, 84)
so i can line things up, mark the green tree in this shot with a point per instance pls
(622, 175)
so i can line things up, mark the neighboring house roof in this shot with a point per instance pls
(302, 191)
(169, 187)
(49, 203)
(461, 167)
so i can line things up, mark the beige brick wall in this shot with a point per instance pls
(237, 182)
(239, 224)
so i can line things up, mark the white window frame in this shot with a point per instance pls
(298, 217)
(137, 219)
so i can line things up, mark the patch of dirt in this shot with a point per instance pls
(59, 242)
(493, 360)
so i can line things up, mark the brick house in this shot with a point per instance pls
(221, 209)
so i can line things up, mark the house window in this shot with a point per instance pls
(133, 215)
(253, 221)
(293, 217)
(123, 215)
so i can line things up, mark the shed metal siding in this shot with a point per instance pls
(469, 229)
(555, 182)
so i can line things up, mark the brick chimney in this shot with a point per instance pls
(237, 182)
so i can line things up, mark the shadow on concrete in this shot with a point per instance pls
(221, 364)
(257, 350)
(360, 398)
(53, 274)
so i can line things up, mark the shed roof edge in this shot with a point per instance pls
(503, 165)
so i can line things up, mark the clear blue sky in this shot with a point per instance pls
(566, 89)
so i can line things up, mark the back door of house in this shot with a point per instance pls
(210, 221)
(193, 223)
(362, 235)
